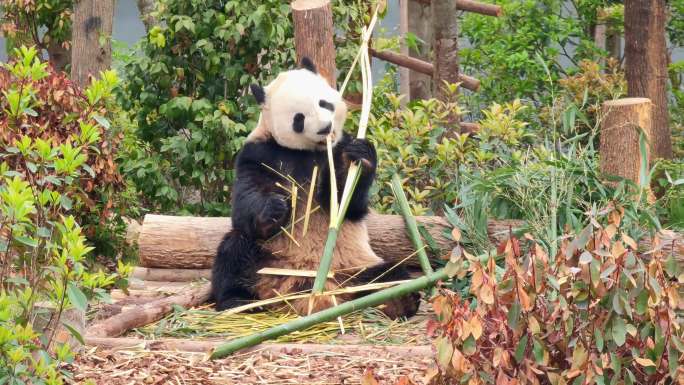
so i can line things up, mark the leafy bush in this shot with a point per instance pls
(54, 155)
(41, 103)
(597, 312)
(418, 143)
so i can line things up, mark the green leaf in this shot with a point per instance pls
(619, 331)
(74, 333)
(76, 297)
(444, 351)
(520, 349)
(514, 315)
(30, 242)
(102, 121)
(469, 347)
(598, 338)
(538, 351)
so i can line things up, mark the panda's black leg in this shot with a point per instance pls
(233, 269)
(404, 306)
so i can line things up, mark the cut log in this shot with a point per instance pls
(191, 242)
(467, 82)
(620, 129)
(474, 6)
(173, 242)
(314, 33)
(184, 345)
(149, 312)
(170, 275)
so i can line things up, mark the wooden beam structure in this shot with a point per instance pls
(474, 7)
(467, 82)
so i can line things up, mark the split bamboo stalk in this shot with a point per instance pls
(337, 214)
(411, 226)
(329, 314)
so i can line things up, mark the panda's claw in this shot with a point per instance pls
(360, 150)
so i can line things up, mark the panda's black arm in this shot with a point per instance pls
(346, 151)
(259, 209)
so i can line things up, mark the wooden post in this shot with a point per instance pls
(404, 73)
(92, 20)
(419, 24)
(445, 50)
(646, 66)
(314, 32)
(619, 151)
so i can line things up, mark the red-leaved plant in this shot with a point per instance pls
(600, 312)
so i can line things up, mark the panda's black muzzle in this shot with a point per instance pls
(326, 130)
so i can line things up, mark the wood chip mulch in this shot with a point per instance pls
(259, 367)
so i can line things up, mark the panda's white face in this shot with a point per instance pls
(300, 109)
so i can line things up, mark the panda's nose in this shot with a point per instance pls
(326, 130)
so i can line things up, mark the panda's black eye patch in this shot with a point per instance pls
(298, 122)
(326, 104)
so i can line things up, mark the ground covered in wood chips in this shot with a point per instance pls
(380, 366)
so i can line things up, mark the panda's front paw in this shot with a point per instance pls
(275, 211)
(360, 150)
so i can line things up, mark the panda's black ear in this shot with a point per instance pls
(258, 92)
(309, 65)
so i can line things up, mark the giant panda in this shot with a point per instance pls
(298, 110)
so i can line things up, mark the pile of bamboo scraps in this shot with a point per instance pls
(369, 326)
(324, 364)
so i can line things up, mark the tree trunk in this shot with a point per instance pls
(419, 24)
(620, 129)
(646, 66)
(445, 49)
(404, 73)
(314, 32)
(92, 24)
(191, 242)
(146, 8)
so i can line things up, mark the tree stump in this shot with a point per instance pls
(314, 32)
(620, 128)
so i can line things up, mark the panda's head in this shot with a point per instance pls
(299, 109)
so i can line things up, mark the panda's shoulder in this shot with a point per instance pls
(258, 152)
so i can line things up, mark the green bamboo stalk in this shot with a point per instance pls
(411, 225)
(329, 314)
(337, 214)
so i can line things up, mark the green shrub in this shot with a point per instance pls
(54, 153)
(598, 312)
(418, 143)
